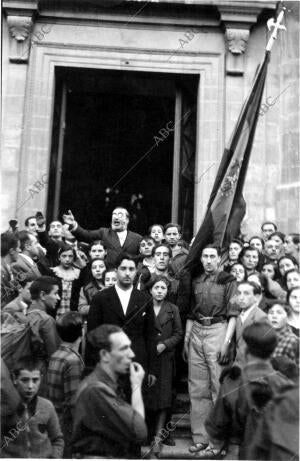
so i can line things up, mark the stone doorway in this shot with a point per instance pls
(118, 139)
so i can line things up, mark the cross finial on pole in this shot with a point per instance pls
(276, 26)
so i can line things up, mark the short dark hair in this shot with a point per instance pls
(259, 238)
(9, 241)
(27, 363)
(65, 247)
(236, 241)
(97, 242)
(44, 283)
(172, 224)
(158, 225)
(158, 278)
(256, 288)
(162, 244)
(123, 256)
(261, 339)
(279, 234)
(269, 222)
(275, 302)
(214, 247)
(147, 238)
(99, 338)
(24, 237)
(69, 326)
(244, 251)
(26, 223)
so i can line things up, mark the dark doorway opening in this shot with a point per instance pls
(113, 145)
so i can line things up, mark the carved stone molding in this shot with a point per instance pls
(237, 40)
(20, 15)
(237, 19)
(19, 27)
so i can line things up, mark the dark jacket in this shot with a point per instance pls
(169, 332)
(138, 323)
(36, 434)
(277, 434)
(105, 425)
(240, 403)
(52, 246)
(111, 241)
(46, 327)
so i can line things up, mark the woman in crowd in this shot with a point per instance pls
(156, 231)
(270, 271)
(293, 299)
(168, 335)
(249, 257)
(93, 287)
(110, 277)
(257, 242)
(292, 279)
(238, 270)
(67, 274)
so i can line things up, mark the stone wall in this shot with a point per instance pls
(272, 185)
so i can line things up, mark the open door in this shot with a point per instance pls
(184, 155)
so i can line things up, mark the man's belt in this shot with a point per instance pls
(207, 321)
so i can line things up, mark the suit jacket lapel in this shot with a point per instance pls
(115, 239)
(116, 304)
(165, 313)
(127, 240)
(239, 328)
(132, 305)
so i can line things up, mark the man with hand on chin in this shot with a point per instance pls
(116, 239)
(105, 425)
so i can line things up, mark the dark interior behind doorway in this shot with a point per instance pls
(110, 154)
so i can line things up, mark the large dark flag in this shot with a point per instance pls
(226, 206)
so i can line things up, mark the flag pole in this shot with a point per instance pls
(276, 26)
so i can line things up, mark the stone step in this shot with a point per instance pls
(179, 451)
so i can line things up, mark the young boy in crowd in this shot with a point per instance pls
(65, 372)
(288, 343)
(35, 431)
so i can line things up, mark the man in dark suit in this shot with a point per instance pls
(116, 239)
(130, 309)
(25, 263)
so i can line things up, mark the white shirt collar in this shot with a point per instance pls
(124, 296)
(245, 313)
(122, 236)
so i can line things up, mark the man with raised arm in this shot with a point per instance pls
(117, 239)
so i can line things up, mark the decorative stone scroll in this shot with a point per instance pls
(20, 28)
(237, 40)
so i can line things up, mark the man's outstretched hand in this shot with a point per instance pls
(69, 218)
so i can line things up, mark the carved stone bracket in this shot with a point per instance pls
(237, 40)
(20, 16)
(237, 18)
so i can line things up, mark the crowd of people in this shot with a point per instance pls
(99, 327)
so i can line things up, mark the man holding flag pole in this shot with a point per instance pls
(207, 291)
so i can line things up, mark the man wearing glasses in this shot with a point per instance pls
(117, 238)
